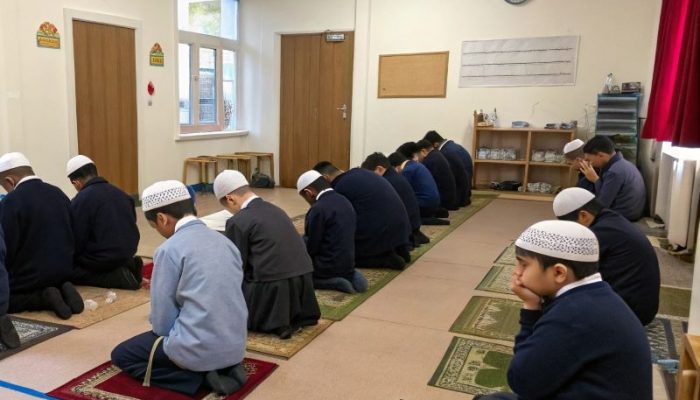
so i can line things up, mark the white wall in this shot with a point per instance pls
(615, 37)
(34, 110)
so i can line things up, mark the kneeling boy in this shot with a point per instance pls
(582, 341)
(198, 312)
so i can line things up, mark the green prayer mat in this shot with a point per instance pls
(489, 317)
(337, 305)
(674, 301)
(473, 367)
(498, 278)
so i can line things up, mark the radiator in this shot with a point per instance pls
(678, 194)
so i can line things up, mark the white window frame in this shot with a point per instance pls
(195, 130)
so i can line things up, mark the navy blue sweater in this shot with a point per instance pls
(382, 220)
(329, 231)
(463, 184)
(36, 218)
(405, 192)
(621, 188)
(4, 284)
(628, 263)
(451, 147)
(104, 223)
(445, 180)
(585, 345)
(423, 184)
(584, 183)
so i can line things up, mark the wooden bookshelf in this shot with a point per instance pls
(523, 169)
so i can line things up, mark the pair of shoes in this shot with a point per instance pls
(222, 384)
(8, 334)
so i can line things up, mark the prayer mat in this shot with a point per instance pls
(659, 242)
(456, 218)
(272, 345)
(497, 280)
(126, 300)
(674, 301)
(31, 333)
(298, 223)
(489, 317)
(337, 305)
(473, 367)
(108, 382)
(665, 337)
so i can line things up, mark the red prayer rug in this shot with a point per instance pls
(107, 382)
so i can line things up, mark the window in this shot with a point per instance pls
(207, 77)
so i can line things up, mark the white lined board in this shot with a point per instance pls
(543, 61)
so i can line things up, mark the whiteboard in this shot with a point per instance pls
(543, 61)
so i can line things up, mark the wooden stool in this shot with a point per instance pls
(270, 157)
(203, 162)
(239, 159)
(687, 378)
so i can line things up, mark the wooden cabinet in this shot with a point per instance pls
(516, 162)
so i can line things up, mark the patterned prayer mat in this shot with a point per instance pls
(473, 367)
(31, 333)
(674, 301)
(665, 337)
(498, 278)
(337, 305)
(274, 346)
(126, 300)
(107, 382)
(489, 317)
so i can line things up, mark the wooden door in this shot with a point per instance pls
(105, 91)
(316, 83)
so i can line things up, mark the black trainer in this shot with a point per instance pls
(54, 301)
(222, 384)
(8, 333)
(72, 298)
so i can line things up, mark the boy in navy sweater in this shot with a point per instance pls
(104, 224)
(578, 339)
(627, 260)
(329, 234)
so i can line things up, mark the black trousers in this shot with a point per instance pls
(27, 301)
(132, 355)
(497, 396)
(118, 278)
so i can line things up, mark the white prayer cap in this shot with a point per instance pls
(76, 163)
(306, 179)
(163, 193)
(13, 160)
(228, 181)
(566, 240)
(570, 200)
(573, 146)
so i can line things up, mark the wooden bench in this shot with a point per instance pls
(259, 157)
(242, 163)
(203, 163)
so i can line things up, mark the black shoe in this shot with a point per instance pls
(72, 298)
(136, 269)
(403, 252)
(54, 302)
(396, 262)
(285, 332)
(421, 238)
(8, 333)
(222, 384)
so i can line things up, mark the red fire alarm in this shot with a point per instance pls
(151, 88)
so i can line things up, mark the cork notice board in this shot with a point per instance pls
(413, 75)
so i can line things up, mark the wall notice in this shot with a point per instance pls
(544, 61)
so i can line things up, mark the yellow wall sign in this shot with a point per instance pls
(157, 57)
(47, 36)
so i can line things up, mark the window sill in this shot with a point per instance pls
(185, 137)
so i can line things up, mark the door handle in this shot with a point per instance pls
(344, 109)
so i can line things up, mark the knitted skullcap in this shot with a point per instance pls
(570, 200)
(306, 179)
(163, 193)
(228, 181)
(566, 240)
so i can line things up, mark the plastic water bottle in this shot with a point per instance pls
(91, 305)
(110, 297)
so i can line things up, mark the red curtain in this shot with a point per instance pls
(674, 103)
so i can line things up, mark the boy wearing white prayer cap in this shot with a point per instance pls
(329, 233)
(36, 220)
(583, 342)
(628, 261)
(278, 281)
(104, 224)
(198, 312)
(573, 154)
